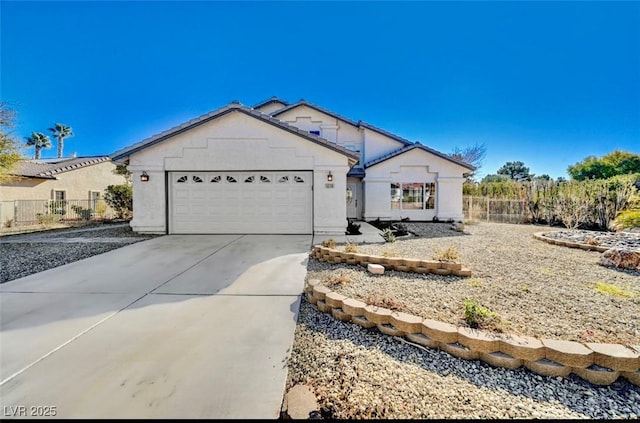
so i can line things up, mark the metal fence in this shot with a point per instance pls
(33, 212)
(495, 210)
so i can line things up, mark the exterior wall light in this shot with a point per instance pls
(144, 177)
(330, 177)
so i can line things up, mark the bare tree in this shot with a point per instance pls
(473, 155)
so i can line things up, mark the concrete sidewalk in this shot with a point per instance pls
(173, 327)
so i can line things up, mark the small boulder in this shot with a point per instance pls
(376, 269)
(621, 258)
(299, 403)
(458, 227)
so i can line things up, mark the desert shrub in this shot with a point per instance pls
(627, 219)
(388, 235)
(48, 219)
(389, 253)
(478, 316)
(400, 229)
(337, 278)
(83, 213)
(329, 243)
(384, 301)
(351, 248)
(450, 254)
(353, 228)
(591, 240)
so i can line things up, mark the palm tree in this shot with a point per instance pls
(39, 141)
(61, 132)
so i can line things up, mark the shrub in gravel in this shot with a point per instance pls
(329, 243)
(450, 254)
(477, 316)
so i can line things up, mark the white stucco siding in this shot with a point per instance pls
(336, 130)
(414, 166)
(377, 145)
(235, 142)
(76, 184)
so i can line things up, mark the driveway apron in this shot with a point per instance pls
(179, 326)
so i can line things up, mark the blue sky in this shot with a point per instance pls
(546, 83)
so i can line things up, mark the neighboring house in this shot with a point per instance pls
(285, 168)
(74, 180)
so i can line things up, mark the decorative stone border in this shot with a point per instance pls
(541, 236)
(600, 364)
(390, 263)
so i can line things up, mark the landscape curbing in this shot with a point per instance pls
(541, 236)
(597, 363)
(331, 255)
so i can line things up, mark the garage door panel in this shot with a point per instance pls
(240, 202)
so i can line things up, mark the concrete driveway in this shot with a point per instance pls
(197, 326)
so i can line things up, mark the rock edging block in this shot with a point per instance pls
(541, 236)
(331, 255)
(597, 363)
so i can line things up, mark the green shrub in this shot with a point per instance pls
(120, 198)
(477, 316)
(627, 219)
(388, 235)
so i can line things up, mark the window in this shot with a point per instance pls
(413, 196)
(59, 195)
(430, 196)
(197, 179)
(395, 196)
(231, 179)
(315, 133)
(182, 179)
(249, 179)
(59, 204)
(264, 179)
(298, 179)
(215, 179)
(283, 179)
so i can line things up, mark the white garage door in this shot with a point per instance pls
(240, 202)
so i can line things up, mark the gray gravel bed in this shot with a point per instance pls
(359, 373)
(25, 254)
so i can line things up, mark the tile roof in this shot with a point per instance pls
(48, 168)
(230, 108)
(273, 99)
(421, 147)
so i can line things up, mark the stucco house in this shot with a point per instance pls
(285, 168)
(66, 181)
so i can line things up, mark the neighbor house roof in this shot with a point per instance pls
(48, 168)
(230, 108)
(420, 147)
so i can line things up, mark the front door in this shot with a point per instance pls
(353, 200)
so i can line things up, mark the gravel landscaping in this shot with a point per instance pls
(24, 254)
(536, 288)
